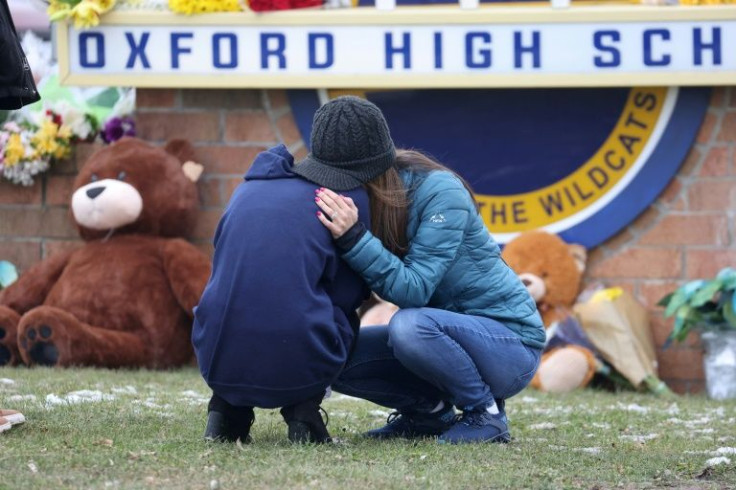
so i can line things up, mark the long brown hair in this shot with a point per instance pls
(390, 199)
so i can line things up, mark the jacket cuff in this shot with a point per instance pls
(351, 237)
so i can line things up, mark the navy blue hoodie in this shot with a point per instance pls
(277, 319)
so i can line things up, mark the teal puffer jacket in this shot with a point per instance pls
(452, 264)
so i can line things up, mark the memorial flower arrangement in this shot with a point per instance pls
(84, 13)
(203, 6)
(33, 139)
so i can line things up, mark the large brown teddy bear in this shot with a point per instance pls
(124, 298)
(552, 271)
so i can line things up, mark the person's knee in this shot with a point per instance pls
(406, 332)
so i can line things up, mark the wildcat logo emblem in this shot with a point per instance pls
(437, 218)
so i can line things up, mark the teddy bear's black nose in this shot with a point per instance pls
(95, 191)
(525, 281)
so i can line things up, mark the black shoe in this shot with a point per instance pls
(413, 425)
(305, 422)
(221, 428)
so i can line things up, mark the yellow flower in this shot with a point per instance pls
(200, 6)
(86, 14)
(58, 10)
(65, 132)
(14, 150)
(105, 5)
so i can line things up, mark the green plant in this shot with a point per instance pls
(704, 304)
(8, 274)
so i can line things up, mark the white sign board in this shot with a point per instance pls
(476, 52)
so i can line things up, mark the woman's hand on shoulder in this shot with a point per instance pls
(338, 213)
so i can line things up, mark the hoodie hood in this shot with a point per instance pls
(274, 163)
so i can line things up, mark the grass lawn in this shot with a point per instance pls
(91, 428)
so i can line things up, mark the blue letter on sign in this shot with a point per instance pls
(176, 50)
(699, 46)
(84, 60)
(392, 50)
(520, 49)
(216, 57)
(485, 54)
(648, 58)
(615, 59)
(278, 51)
(137, 50)
(329, 50)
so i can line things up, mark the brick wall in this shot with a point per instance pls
(687, 233)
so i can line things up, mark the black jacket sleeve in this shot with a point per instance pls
(17, 87)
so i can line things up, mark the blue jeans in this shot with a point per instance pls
(426, 355)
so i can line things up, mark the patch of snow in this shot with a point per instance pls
(601, 425)
(674, 420)
(543, 426)
(702, 431)
(346, 397)
(700, 421)
(529, 399)
(697, 452)
(125, 390)
(81, 396)
(6, 381)
(726, 450)
(590, 450)
(639, 438)
(633, 407)
(718, 460)
(673, 409)
(20, 398)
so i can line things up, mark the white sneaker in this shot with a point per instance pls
(12, 416)
(4, 424)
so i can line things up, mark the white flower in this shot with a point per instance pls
(74, 118)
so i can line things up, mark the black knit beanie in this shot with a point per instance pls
(351, 145)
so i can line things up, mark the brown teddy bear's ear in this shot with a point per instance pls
(181, 149)
(580, 255)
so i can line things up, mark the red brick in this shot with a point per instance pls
(222, 99)
(716, 162)
(156, 97)
(705, 264)
(83, 151)
(53, 247)
(660, 327)
(47, 222)
(692, 160)
(680, 363)
(705, 133)
(278, 99)
(290, 134)
(673, 196)
(650, 292)
(249, 126)
(731, 96)
(635, 262)
(230, 186)
(712, 195)
(646, 219)
(680, 229)
(19, 194)
(728, 128)
(619, 240)
(59, 189)
(301, 154)
(718, 97)
(23, 254)
(193, 126)
(227, 159)
(210, 192)
(207, 220)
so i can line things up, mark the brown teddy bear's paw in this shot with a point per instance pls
(40, 347)
(9, 355)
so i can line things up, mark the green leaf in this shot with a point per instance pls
(666, 300)
(692, 286)
(726, 274)
(678, 299)
(8, 274)
(682, 326)
(706, 293)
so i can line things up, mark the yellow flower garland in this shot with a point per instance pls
(190, 7)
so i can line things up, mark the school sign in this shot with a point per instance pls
(413, 47)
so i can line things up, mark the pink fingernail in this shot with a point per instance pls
(319, 213)
(316, 199)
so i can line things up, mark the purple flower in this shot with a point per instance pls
(117, 127)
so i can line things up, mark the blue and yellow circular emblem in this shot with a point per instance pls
(582, 163)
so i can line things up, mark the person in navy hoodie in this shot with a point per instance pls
(277, 319)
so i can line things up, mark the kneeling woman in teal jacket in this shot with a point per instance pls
(468, 334)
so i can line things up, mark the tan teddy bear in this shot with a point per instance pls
(552, 271)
